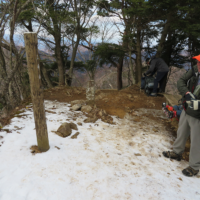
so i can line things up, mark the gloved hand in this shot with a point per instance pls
(143, 75)
(195, 104)
(190, 96)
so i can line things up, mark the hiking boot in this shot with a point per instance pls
(172, 155)
(189, 171)
(153, 95)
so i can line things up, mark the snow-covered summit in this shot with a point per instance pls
(122, 161)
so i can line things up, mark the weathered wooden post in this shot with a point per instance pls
(36, 91)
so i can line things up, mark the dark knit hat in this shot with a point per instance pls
(147, 60)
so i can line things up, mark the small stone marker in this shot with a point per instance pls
(90, 91)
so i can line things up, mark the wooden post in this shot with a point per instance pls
(36, 91)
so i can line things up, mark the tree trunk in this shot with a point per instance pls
(45, 74)
(12, 99)
(57, 37)
(121, 61)
(119, 73)
(193, 50)
(131, 68)
(164, 35)
(138, 57)
(167, 58)
(59, 59)
(23, 90)
(73, 59)
(12, 90)
(78, 35)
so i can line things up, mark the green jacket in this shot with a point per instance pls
(188, 83)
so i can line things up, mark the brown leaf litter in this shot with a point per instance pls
(34, 149)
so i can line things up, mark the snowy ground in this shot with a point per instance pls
(106, 162)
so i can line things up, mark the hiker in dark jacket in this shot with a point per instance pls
(189, 123)
(157, 65)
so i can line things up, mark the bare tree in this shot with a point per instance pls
(13, 81)
(82, 13)
(100, 30)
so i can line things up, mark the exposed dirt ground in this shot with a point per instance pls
(114, 102)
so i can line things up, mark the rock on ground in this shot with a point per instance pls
(64, 130)
(82, 102)
(86, 108)
(75, 135)
(76, 107)
(73, 126)
(91, 120)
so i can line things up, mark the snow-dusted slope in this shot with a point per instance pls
(106, 162)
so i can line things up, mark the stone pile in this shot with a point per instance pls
(92, 112)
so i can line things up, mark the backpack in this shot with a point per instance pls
(147, 84)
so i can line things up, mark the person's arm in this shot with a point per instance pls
(182, 83)
(151, 68)
(152, 73)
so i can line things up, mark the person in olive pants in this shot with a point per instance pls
(189, 123)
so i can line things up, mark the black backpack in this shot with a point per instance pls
(147, 84)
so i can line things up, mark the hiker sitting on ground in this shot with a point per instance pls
(172, 111)
(157, 65)
(178, 109)
(189, 123)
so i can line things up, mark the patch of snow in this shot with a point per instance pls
(122, 161)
